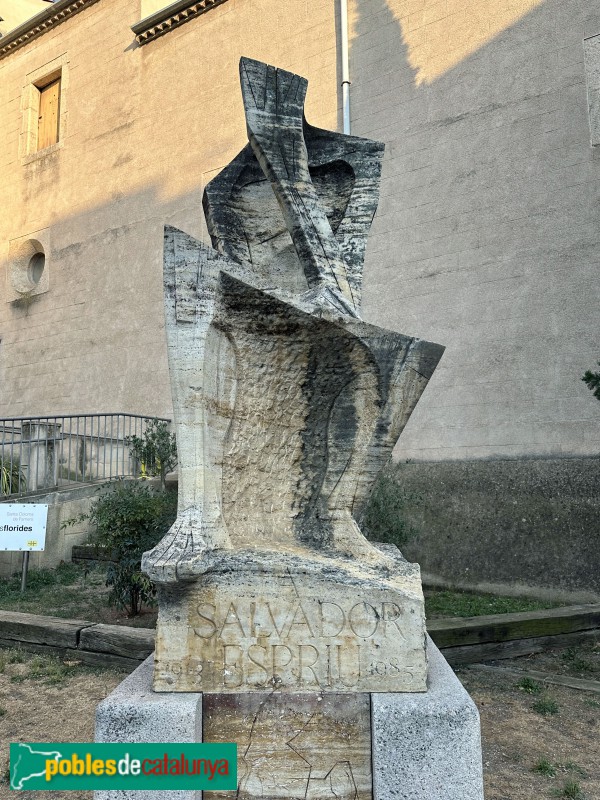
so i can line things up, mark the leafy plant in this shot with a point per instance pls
(530, 686)
(571, 766)
(571, 790)
(130, 520)
(10, 657)
(545, 706)
(385, 517)
(545, 768)
(12, 479)
(155, 450)
(592, 379)
(573, 658)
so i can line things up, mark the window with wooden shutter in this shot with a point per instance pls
(49, 115)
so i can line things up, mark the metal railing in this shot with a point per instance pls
(38, 453)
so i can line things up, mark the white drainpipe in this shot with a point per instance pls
(345, 66)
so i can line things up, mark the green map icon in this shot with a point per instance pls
(27, 762)
(63, 766)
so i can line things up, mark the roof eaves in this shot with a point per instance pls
(40, 23)
(171, 17)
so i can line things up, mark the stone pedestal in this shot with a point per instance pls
(405, 746)
(294, 625)
(133, 713)
(427, 746)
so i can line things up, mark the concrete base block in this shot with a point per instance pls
(134, 713)
(427, 746)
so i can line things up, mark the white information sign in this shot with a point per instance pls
(23, 526)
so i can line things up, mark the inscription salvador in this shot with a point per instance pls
(300, 644)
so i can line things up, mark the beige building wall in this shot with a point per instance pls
(143, 129)
(487, 238)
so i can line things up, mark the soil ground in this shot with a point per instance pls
(528, 755)
(47, 700)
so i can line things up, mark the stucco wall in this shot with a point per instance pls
(487, 238)
(145, 128)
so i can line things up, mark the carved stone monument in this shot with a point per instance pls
(287, 405)
(277, 617)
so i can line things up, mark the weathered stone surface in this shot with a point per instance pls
(252, 625)
(284, 418)
(133, 713)
(424, 746)
(287, 405)
(427, 746)
(308, 746)
(591, 48)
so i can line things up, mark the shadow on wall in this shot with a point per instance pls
(487, 241)
(96, 338)
(487, 235)
(515, 527)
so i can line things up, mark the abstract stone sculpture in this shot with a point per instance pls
(287, 405)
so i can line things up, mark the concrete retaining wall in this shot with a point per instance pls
(519, 527)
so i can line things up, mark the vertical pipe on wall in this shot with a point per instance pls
(345, 66)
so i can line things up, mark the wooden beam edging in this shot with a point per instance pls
(89, 642)
(65, 653)
(581, 684)
(463, 631)
(494, 651)
(462, 640)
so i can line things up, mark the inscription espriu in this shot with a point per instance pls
(312, 644)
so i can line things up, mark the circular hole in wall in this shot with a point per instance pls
(36, 266)
(27, 266)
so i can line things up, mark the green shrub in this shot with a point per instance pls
(545, 768)
(573, 658)
(12, 479)
(545, 706)
(571, 790)
(384, 519)
(530, 686)
(130, 520)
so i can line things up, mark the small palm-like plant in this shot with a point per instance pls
(12, 479)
